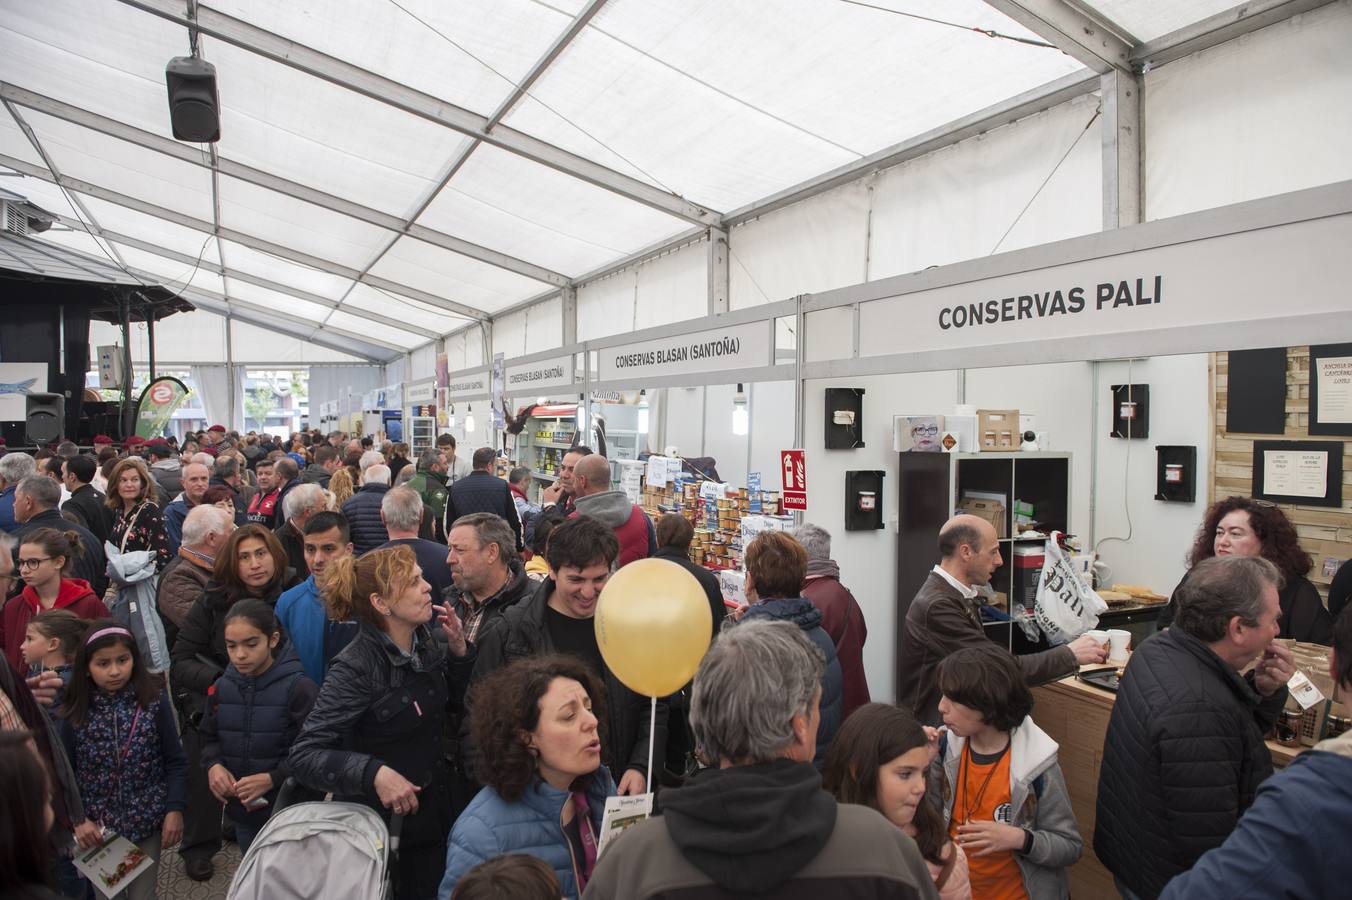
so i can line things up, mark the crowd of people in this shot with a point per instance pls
(334, 619)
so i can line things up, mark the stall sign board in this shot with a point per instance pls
(794, 464)
(720, 349)
(753, 492)
(421, 392)
(540, 375)
(469, 386)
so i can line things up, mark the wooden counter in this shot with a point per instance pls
(1075, 715)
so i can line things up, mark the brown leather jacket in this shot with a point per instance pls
(182, 582)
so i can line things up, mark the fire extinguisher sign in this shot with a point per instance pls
(794, 466)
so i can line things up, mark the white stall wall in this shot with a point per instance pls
(343, 384)
(1161, 533)
(673, 287)
(771, 429)
(606, 307)
(423, 362)
(1265, 114)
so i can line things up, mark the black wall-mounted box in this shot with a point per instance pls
(864, 500)
(1131, 411)
(1176, 473)
(844, 403)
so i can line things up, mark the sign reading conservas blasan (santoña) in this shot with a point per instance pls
(469, 384)
(543, 373)
(733, 347)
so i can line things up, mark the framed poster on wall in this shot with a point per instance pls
(1309, 473)
(1331, 389)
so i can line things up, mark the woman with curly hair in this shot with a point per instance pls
(1243, 526)
(376, 734)
(538, 727)
(341, 486)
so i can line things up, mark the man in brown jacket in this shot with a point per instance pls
(185, 578)
(943, 619)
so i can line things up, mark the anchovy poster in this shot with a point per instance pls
(17, 381)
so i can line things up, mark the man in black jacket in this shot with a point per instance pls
(486, 573)
(482, 491)
(1184, 752)
(325, 464)
(35, 506)
(557, 618)
(85, 503)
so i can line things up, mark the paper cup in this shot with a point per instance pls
(1099, 637)
(1118, 642)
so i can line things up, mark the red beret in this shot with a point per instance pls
(220, 428)
(134, 441)
(102, 439)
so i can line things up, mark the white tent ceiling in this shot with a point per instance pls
(398, 168)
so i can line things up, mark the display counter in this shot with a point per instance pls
(1075, 715)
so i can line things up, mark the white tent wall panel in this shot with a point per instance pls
(956, 203)
(395, 372)
(401, 308)
(13, 142)
(344, 385)
(1267, 113)
(673, 287)
(262, 213)
(148, 228)
(193, 337)
(443, 273)
(251, 343)
(607, 306)
(422, 362)
(1146, 20)
(509, 335)
(544, 326)
(264, 265)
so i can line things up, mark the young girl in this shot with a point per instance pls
(879, 759)
(45, 555)
(119, 732)
(50, 644)
(1003, 794)
(254, 712)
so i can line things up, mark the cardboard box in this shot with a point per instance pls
(992, 511)
(998, 429)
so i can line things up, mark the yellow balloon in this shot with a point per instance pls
(653, 625)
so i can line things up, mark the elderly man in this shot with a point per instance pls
(842, 619)
(184, 579)
(943, 618)
(758, 824)
(1184, 752)
(14, 467)
(482, 491)
(485, 569)
(35, 506)
(299, 504)
(363, 509)
(301, 610)
(286, 478)
(562, 493)
(85, 504)
(401, 512)
(196, 480)
(632, 527)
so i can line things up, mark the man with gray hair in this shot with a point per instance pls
(196, 479)
(401, 512)
(302, 501)
(35, 506)
(842, 619)
(14, 467)
(1184, 753)
(754, 712)
(363, 509)
(184, 579)
(487, 573)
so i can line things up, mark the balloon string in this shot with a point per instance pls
(652, 739)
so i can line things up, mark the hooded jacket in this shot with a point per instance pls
(363, 516)
(802, 613)
(74, 594)
(168, 475)
(250, 724)
(843, 622)
(1292, 842)
(761, 831)
(1182, 760)
(1039, 803)
(629, 522)
(491, 826)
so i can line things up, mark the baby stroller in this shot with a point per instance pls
(337, 851)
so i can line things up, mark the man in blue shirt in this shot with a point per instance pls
(301, 609)
(14, 467)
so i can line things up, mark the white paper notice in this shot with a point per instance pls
(1334, 385)
(1295, 473)
(657, 471)
(622, 813)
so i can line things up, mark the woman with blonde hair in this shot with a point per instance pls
(340, 485)
(376, 734)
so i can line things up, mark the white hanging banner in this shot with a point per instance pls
(469, 386)
(543, 373)
(421, 392)
(746, 346)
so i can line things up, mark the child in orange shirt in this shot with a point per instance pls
(999, 785)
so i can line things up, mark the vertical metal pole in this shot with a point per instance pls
(150, 341)
(1122, 149)
(229, 372)
(128, 418)
(719, 280)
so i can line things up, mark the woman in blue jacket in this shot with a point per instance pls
(537, 723)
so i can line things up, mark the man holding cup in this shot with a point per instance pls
(1184, 752)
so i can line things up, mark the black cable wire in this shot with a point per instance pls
(1055, 168)
(988, 32)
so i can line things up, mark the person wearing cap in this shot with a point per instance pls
(166, 469)
(214, 435)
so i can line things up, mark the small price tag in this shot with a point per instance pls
(1304, 691)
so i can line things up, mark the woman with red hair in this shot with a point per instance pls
(1243, 526)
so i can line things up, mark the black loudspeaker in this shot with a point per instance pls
(194, 107)
(44, 416)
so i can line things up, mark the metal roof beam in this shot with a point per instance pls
(189, 154)
(239, 237)
(1224, 26)
(335, 71)
(314, 331)
(1071, 30)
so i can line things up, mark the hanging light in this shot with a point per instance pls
(642, 412)
(469, 419)
(451, 421)
(740, 420)
(582, 414)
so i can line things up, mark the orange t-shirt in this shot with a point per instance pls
(982, 795)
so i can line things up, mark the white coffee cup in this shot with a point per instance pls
(1098, 637)
(1118, 642)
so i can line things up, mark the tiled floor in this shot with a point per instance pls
(174, 884)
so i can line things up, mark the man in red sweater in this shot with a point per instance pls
(591, 483)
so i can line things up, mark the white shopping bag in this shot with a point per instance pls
(1066, 607)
